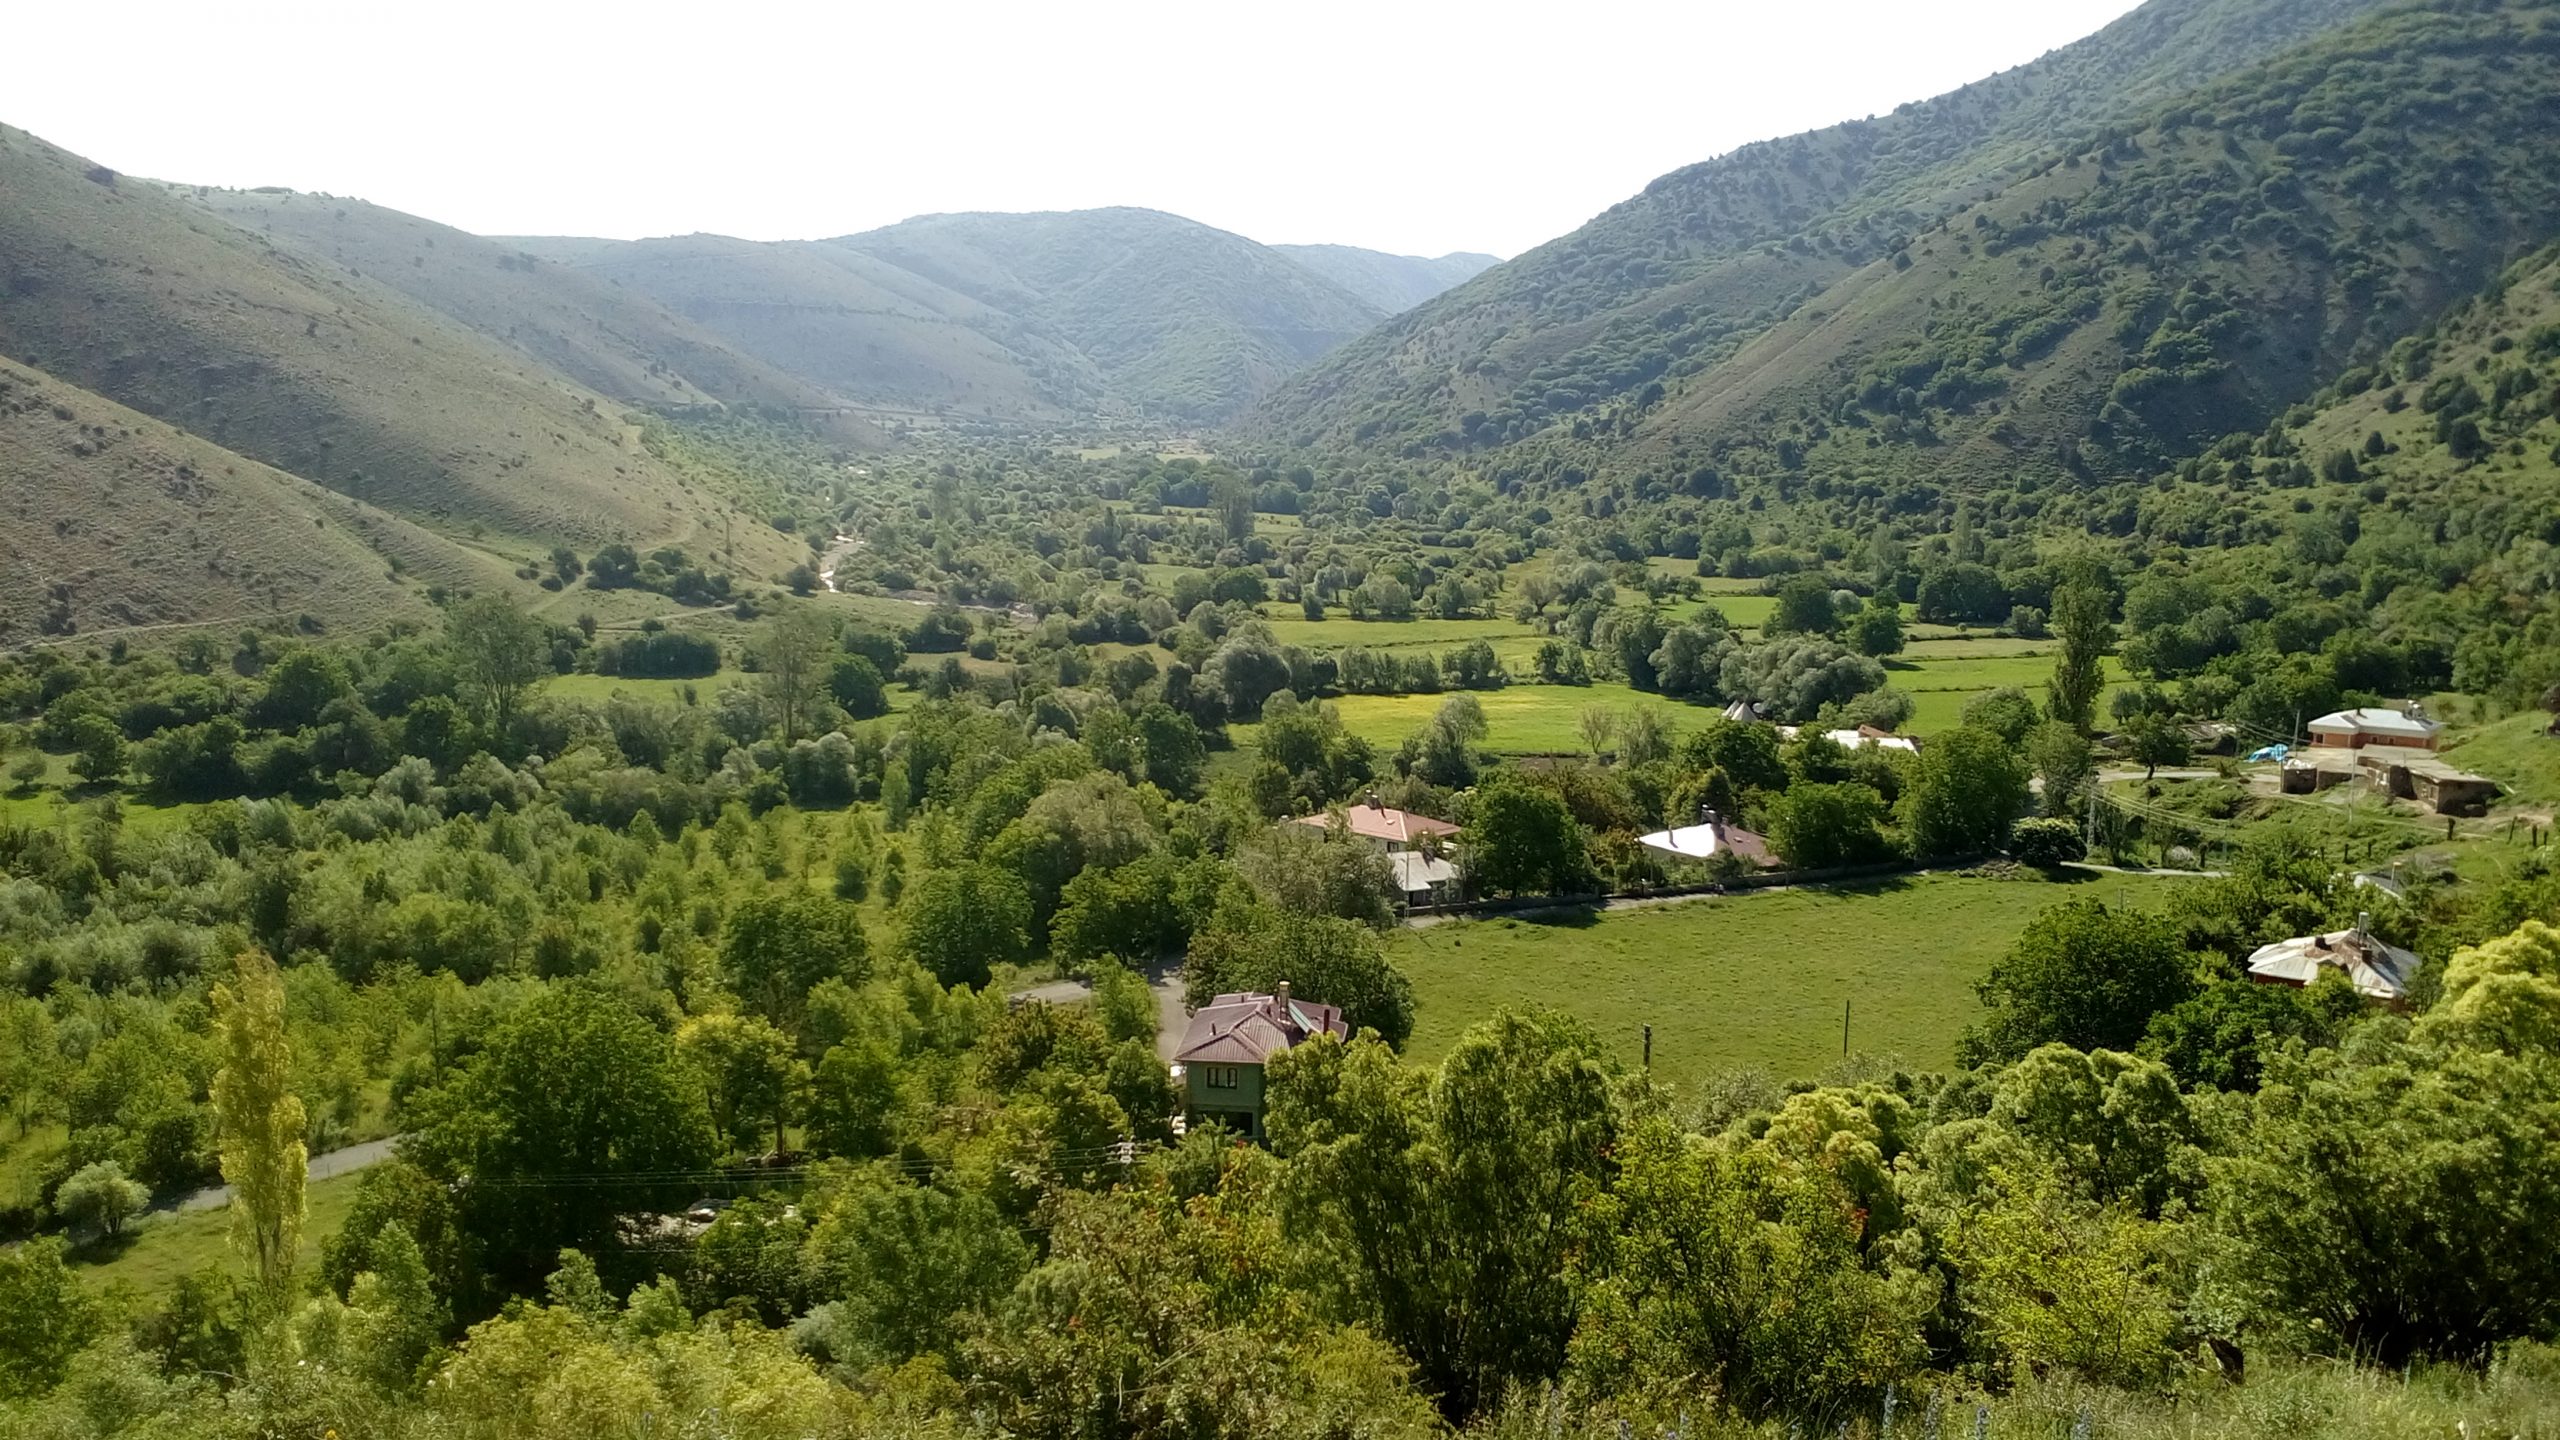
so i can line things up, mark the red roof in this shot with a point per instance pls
(1375, 823)
(1247, 1029)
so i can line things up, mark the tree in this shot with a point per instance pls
(1304, 870)
(1804, 608)
(1231, 496)
(2057, 1285)
(394, 1315)
(99, 748)
(2352, 1207)
(575, 1112)
(1443, 753)
(2005, 712)
(1796, 676)
(1597, 724)
(794, 652)
(1688, 665)
(499, 652)
(47, 1316)
(1641, 740)
(99, 1196)
(1716, 1266)
(1818, 827)
(1876, 631)
(1449, 1195)
(2080, 975)
(2045, 843)
(1521, 840)
(2059, 756)
(261, 1122)
(2222, 1037)
(900, 1266)
(1328, 961)
(962, 922)
(2157, 742)
(855, 684)
(1962, 795)
(2503, 994)
(299, 688)
(2081, 611)
(748, 1070)
(777, 947)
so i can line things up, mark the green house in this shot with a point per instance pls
(1221, 1056)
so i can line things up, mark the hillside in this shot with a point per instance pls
(1390, 283)
(124, 288)
(620, 345)
(1032, 317)
(1674, 280)
(113, 522)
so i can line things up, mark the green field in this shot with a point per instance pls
(1746, 980)
(161, 1248)
(1523, 719)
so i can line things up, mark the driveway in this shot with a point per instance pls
(1164, 978)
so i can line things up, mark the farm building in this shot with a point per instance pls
(1220, 1059)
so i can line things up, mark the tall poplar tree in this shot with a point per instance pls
(263, 1158)
(2081, 608)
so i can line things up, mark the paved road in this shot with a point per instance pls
(1165, 979)
(322, 1167)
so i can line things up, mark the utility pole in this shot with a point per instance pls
(1844, 1029)
(1648, 1047)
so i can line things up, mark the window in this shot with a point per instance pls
(1222, 1077)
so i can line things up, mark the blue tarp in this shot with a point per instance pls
(2271, 752)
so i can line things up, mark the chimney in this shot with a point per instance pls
(2364, 927)
(1281, 994)
(1373, 801)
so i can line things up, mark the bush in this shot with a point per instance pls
(2045, 843)
(99, 1196)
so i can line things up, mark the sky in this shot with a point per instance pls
(1418, 128)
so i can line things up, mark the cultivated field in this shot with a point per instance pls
(1746, 980)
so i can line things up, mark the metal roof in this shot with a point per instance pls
(1247, 1029)
(2377, 720)
(2376, 969)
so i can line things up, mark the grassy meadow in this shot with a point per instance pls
(162, 1247)
(1746, 980)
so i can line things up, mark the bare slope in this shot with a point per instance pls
(113, 522)
(1390, 283)
(619, 344)
(849, 323)
(124, 288)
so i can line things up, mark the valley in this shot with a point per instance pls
(1908, 782)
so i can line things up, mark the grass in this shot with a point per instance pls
(1746, 980)
(2516, 753)
(1523, 719)
(164, 1247)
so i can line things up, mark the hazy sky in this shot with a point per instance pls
(1412, 127)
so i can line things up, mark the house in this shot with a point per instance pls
(2405, 728)
(1709, 837)
(1424, 879)
(1389, 830)
(2378, 971)
(1230, 1039)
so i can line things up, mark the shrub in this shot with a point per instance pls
(2045, 843)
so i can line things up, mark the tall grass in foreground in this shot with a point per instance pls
(2515, 1397)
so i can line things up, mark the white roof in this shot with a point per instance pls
(2378, 970)
(1858, 739)
(1417, 872)
(2377, 720)
(1697, 842)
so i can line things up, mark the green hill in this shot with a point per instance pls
(133, 290)
(1670, 283)
(114, 522)
(1031, 317)
(1390, 283)
(845, 321)
(618, 344)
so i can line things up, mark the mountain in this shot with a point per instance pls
(1392, 284)
(115, 522)
(1041, 317)
(139, 293)
(618, 344)
(1674, 281)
